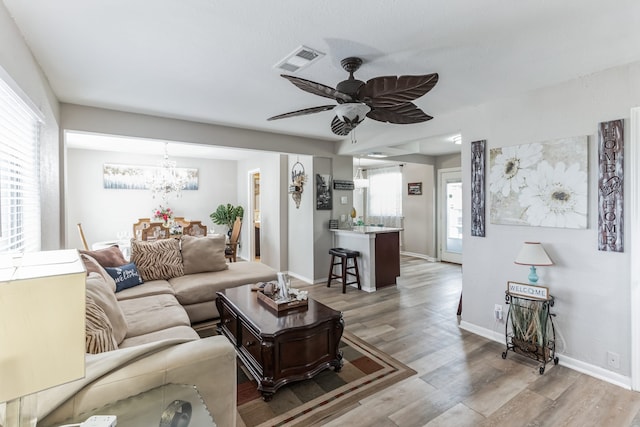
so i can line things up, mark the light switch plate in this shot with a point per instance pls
(343, 200)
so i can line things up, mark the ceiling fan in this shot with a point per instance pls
(385, 99)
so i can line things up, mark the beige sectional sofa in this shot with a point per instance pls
(146, 338)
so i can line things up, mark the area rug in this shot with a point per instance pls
(366, 370)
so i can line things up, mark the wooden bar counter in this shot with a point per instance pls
(379, 248)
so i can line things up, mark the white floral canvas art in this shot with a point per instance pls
(540, 184)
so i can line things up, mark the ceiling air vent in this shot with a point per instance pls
(298, 59)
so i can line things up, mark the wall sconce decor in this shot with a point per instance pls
(298, 178)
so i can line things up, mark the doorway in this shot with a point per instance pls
(254, 219)
(450, 216)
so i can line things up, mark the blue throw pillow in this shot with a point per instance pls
(125, 276)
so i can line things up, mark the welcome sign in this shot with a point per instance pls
(528, 291)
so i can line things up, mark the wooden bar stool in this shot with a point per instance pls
(343, 256)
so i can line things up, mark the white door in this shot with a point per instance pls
(450, 224)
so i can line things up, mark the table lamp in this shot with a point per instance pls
(533, 254)
(42, 331)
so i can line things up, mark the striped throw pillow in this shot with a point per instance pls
(160, 259)
(98, 331)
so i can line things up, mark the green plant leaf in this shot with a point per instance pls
(226, 214)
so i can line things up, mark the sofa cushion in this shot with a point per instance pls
(174, 332)
(154, 313)
(152, 287)
(202, 312)
(126, 276)
(201, 254)
(106, 299)
(107, 257)
(98, 331)
(200, 287)
(159, 259)
(93, 266)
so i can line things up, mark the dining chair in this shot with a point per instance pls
(84, 241)
(195, 228)
(139, 226)
(179, 220)
(155, 231)
(231, 250)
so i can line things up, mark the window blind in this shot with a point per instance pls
(19, 173)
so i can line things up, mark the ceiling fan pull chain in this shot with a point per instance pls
(353, 137)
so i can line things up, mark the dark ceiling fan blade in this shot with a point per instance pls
(303, 112)
(341, 128)
(318, 88)
(394, 90)
(400, 114)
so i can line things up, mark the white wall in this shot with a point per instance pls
(19, 64)
(448, 161)
(419, 221)
(322, 237)
(301, 229)
(111, 122)
(591, 287)
(273, 214)
(105, 212)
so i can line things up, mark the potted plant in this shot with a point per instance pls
(227, 214)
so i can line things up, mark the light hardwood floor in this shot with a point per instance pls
(461, 378)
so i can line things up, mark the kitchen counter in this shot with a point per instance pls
(379, 247)
(368, 229)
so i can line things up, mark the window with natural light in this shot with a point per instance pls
(19, 173)
(384, 197)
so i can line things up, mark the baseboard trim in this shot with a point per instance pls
(299, 277)
(483, 332)
(417, 255)
(569, 362)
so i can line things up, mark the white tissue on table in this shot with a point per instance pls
(298, 294)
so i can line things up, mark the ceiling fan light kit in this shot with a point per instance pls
(385, 99)
(352, 112)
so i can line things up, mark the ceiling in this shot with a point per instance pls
(213, 61)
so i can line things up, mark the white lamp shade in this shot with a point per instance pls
(42, 332)
(351, 112)
(533, 253)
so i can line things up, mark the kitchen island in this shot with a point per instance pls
(379, 247)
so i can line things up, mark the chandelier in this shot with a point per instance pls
(166, 179)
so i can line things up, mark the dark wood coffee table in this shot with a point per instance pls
(280, 348)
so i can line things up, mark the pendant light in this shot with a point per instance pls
(359, 181)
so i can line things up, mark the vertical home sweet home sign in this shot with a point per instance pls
(477, 188)
(610, 186)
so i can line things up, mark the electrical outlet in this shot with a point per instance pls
(497, 312)
(613, 360)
